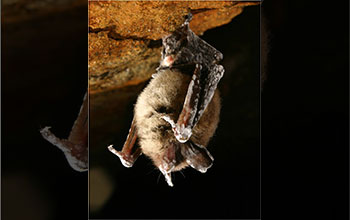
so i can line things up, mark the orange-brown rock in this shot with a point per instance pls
(124, 36)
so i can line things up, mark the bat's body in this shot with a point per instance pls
(164, 97)
(178, 112)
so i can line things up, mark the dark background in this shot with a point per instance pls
(305, 133)
(43, 82)
(305, 111)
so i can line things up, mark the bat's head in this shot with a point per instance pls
(183, 47)
(175, 42)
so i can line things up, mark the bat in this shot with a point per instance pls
(178, 112)
(75, 148)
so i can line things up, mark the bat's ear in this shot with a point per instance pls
(198, 157)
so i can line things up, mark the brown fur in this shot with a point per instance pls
(165, 94)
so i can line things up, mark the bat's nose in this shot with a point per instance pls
(168, 60)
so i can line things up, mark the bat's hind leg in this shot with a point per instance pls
(126, 156)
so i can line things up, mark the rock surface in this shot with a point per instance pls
(125, 37)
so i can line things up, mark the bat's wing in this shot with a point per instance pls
(185, 48)
(199, 94)
(198, 157)
(209, 82)
(75, 147)
(183, 127)
(79, 132)
(126, 156)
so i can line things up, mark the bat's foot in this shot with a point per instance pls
(126, 159)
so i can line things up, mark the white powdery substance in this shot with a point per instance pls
(182, 134)
(169, 120)
(167, 175)
(168, 179)
(124, 162)
(201, 169)
(74, 162)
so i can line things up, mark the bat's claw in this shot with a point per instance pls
(126, 160)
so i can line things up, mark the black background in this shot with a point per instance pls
(43, 82)
(305, 117)
(305, 100)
